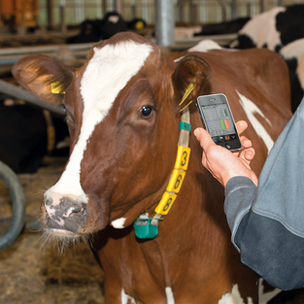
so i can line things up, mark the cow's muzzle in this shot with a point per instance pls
(66, 214)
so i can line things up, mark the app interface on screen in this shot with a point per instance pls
(219, 122)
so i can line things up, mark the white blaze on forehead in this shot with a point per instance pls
(250, 109)
(234, 297)
(106, 75)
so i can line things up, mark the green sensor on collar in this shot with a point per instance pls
(144, 229)
(184, 126)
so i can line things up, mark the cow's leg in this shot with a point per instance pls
(113, 290)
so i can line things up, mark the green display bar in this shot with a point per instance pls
(222, 124)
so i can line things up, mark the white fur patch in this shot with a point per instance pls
(264, 297)
(125, 298)
(169, 295)
(113, 19)
(295, 50)
(262, 29)
(205, 46)
(250, 109)
(119, 223)
(233, 297)
(106, 75)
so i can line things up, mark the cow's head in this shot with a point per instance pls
(122, 110)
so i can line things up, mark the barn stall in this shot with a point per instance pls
(33, 270)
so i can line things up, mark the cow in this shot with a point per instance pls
(129, 112)
(89, 32)
(95, 30)
(293, 53)
(226, 27)
(272, 29)
(27, 134)
(136, 24)
(111, 24)
(280, 29)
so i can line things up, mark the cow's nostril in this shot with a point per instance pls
(75, 211)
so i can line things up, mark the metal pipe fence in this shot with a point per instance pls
(186, 11)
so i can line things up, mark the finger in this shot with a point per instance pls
(246, 143)
(241, 126)
(203, 137)
(247, 154)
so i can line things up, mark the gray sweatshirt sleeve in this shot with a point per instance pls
(267, 222)
(240, 192)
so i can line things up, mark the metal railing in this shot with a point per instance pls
(188, 11)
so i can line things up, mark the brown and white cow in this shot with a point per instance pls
(123, 114)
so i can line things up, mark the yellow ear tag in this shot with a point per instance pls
(139, 25)
(187, 92)
(56, 88)
(188, 104)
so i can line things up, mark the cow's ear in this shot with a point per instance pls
(189, 79)
(44, 76)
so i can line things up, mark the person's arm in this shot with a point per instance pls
(232, 170)
(268, 247)
(267, 223)
(271, 235)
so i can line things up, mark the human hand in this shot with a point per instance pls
(224, 164)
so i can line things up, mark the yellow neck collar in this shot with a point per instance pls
(147, 228)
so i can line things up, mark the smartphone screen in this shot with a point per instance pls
(218, 120)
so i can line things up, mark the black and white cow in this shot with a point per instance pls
(95, 30)
(272, 29)
(293, 53)
(111, 24)
(27, 134)
(280, 29)
(227, 27)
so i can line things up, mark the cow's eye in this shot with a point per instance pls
(146, 111)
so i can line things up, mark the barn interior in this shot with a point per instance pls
(34, 139)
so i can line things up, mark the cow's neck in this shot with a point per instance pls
(147, 228)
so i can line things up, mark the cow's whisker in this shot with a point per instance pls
(62, 242)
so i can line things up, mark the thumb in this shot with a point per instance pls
(203, 137)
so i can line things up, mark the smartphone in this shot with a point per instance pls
(218, 120)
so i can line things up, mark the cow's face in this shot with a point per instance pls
(122, 111)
